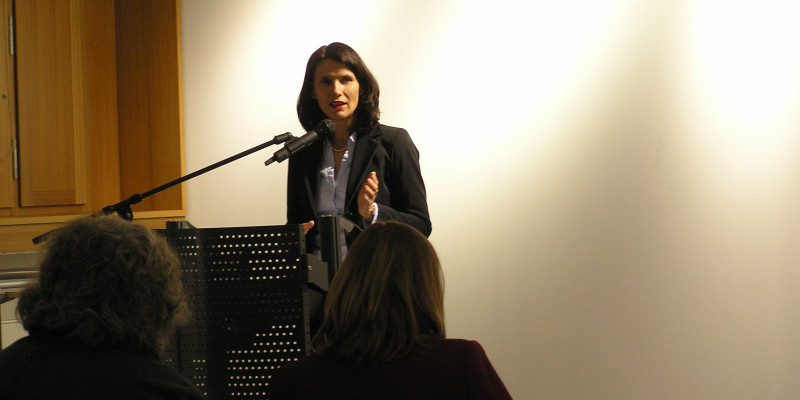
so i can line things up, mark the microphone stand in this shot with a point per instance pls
(330, 227)
(123, 208)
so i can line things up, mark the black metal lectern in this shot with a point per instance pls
(255, 297)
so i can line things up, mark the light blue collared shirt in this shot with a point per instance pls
(332, 188)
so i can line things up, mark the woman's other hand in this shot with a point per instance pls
(367, 196)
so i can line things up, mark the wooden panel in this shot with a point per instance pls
(17, 235)
(100, 103)
(7, 120)
(149, 98)
(49, 103)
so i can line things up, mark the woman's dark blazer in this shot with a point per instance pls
(386, 150)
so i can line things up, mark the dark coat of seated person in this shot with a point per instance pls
(106, 300)
(383, 334)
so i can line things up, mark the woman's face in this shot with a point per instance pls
(336, 91)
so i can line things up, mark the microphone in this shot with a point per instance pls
(323, 129)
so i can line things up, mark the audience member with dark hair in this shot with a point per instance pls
(106, 300)
(365, 171)
(383, 333)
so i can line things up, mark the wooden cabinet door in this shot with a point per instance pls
(49, 103)
(7, 115)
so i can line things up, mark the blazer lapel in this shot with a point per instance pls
(366, 145)
(310, 178)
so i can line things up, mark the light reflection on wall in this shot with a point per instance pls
(744, 72)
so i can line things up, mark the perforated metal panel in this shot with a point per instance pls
(253, 297)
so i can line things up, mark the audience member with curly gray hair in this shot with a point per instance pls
(107, 298)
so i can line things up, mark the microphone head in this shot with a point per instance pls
(325, 128)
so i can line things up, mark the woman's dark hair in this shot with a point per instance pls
(386, 299)
(367, 113)
(106, 282)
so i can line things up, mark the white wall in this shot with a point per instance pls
(613, 184)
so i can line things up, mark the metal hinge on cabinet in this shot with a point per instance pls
(11, 35)
(12, 152)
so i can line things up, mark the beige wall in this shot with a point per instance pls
(613, 184)
(12, 264)
(10, 327)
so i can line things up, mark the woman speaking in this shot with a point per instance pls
(364, 171)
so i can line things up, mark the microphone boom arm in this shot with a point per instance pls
(123, 208)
